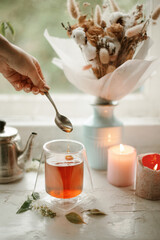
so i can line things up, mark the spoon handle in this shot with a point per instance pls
(51, 100)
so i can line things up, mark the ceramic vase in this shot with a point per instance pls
(101, 131)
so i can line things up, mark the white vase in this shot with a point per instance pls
(101, 131)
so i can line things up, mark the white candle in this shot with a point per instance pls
(121, 165)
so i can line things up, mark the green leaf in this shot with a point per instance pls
(35, 159)
(95, 211)
(25, 206)
(2, 29)
(10, 27)
(74, 218)
(35, 195)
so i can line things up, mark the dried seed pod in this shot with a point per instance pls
(73, 9)
(82, 19)
(98, 15)
(133, 31)
(87, 24)
(117, 29)
(103, 24)
(104, 56)
(156, 13)
(95, 30)
(92, 39)
(114, 6)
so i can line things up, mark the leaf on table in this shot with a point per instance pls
(25, 206)
(95, 211)
(74, 218)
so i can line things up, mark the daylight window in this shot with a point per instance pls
(30, 19)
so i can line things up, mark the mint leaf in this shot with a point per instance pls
(25, 206)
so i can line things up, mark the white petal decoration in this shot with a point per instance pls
(113, 86)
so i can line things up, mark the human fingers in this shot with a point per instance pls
(18, 85)
(35, 90)
(27, 87)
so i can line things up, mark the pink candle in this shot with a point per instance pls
(121, 165)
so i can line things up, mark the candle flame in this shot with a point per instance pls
(121, 148)
(155, 167)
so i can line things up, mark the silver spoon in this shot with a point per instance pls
(61, 121)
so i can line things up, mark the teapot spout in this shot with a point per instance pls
(25, 154)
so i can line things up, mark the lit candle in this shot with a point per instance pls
(151, 161)
(148, 176)
(121, 165)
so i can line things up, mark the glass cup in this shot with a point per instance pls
(65, 161)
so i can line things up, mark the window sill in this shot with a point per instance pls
(37, 108)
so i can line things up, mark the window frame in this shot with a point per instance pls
(144, 103)
(27, 107)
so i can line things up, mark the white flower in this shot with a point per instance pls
(89, 51)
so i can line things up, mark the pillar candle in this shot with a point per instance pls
(148, 176)
(121, 165)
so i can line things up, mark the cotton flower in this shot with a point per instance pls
(112, 45)
(118, 16)
(89, 51)
(78, 35)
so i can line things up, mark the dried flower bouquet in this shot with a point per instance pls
(105, 53)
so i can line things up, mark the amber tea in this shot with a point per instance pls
(64, 176)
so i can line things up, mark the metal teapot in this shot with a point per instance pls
(12, 158)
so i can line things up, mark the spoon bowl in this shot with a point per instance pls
(61, 121)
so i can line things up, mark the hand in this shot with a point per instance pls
(22, 70)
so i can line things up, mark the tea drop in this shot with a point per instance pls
(69, 157)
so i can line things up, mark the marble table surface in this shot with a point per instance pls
(128, 216)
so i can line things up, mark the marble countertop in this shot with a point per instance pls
(128, 216)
